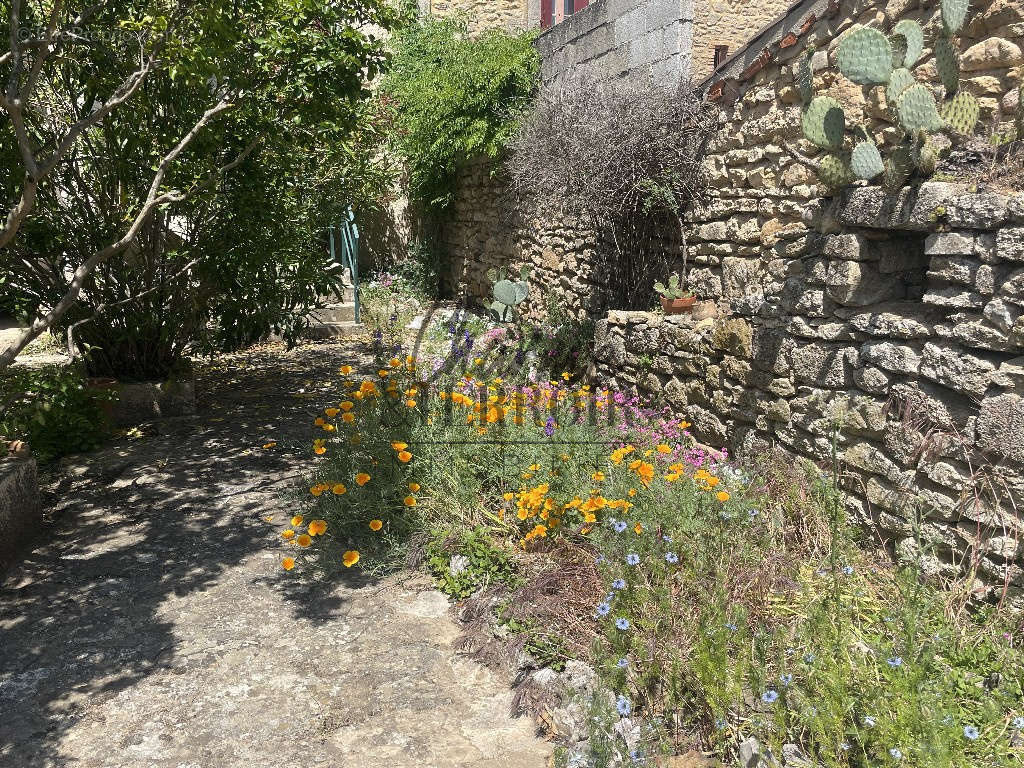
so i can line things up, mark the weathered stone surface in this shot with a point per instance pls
(1010, 243)
(890, 356)
(20, 509)
(991, 53)
(977, 211)
(950, 244)
(822, 365)
(902, 320)
(858, 284)
(956, 369)
(909, 209)
(1001, 426)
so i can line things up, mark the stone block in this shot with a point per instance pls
(893, 357)
(957, 369)
(1010, 244)
(20, 511)
(915, 209)
(1000, 428)
(858, 284)
(950, 244)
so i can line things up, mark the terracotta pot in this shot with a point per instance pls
(678, 306)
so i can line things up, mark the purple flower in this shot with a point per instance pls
(622, 623)
(632, 558)
(622, 663)
(549, 427)
(619, 584)
(770, 696)
(623, 705)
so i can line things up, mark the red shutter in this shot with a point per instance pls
(579, 5)
(547, 12)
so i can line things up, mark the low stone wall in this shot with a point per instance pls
(20, 512)
(898, 330)
(139, 402)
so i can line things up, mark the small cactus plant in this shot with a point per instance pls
(868, 57)
(508, 294)
(674, 290)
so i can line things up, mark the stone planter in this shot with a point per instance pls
(139, 402)
(20, 511)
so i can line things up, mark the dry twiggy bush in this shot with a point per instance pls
(624, 158)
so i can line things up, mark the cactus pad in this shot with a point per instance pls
(865, 56)
(947, 62)
(917, 111)
(834, 172)
(961, 113)
(912, 35)
(824, 122)
(954, 12)
(866, 161)
(805, 78)
(900, 80)
(897, 168)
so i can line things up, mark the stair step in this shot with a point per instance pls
(339, 330)
(336, 313)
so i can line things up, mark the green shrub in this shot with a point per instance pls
(454, 98)
(52, 410)
(464, 562)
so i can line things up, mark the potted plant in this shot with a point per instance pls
(675, 299)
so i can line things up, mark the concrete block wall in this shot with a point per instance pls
(613, 37)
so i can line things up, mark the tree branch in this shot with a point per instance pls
(153, 200)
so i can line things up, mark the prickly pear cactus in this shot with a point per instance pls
(917, 111)
(865, 57)
(961, 113)
(954, 12)
(866, 161)
(912, 42)
(870, 58)
(805, 77)
(947, 62)
(508, 294)
(824, 122)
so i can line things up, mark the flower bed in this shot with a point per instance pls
(716, 601)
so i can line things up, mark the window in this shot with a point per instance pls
(721, 54)
(567, 7)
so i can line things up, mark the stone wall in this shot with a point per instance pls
(20, 512)
(730, 23)
(482, 14)
(899, 317)
(613, 37)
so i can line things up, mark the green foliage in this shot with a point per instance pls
(478, 563)
(452, 98)
(674, 290)
(302, 74)
(867, 57)
(52, 410)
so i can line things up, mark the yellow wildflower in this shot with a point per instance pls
(350, 558)
(376, 525)
(362, 479)
(288, 535)
(288, 563)
(303, 540)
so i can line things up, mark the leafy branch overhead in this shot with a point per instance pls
(871, 59)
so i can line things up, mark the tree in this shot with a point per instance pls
(125, 119)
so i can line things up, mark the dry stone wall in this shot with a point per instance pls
(893, 321)
(481, 15)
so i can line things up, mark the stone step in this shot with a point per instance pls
(336, 313)
(338, 330)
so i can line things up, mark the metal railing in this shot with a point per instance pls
(345, 239)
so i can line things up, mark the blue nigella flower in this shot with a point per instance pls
(1018, 722)
(895, 754)
(845, 746)
(600, 559)
(622, 663)
(809, 657)
(666, 538)
(620, 526)
(720, 724)
(770, 696)
(632, 559)
(869, 721)
(603, 609)
(971, 732)
(619, 584)
(894, 661)
(789, 652)
(754, 513)
(623, 705)
(637, 756)
(622, 623)
(786, 679)
(671, 557)
(848, 570)
(730, 626)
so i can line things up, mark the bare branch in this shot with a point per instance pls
(154, 199)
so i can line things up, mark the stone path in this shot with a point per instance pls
(153, 625)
